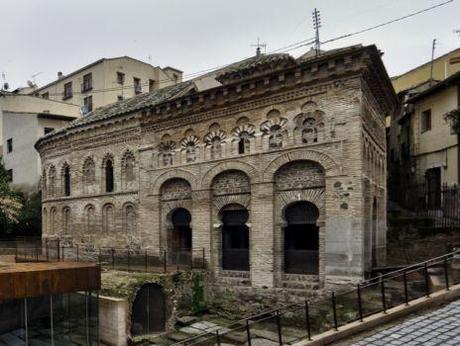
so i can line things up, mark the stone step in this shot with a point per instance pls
(234, 281)
(300, 285)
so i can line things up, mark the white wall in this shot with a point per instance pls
(19, 121)
(23, 160)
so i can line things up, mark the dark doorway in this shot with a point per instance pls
(433, 183)
(148, 313)
(235, 239)
(182, 233)
(301, 239)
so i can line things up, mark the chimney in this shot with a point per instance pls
(60, 75)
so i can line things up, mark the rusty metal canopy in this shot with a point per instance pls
(20, 280)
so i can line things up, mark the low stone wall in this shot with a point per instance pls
(113, 320)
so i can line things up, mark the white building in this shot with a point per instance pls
(108, 80)
(24, 119)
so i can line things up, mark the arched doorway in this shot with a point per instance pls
(182, 233)
(301, 239)
(149, 310)
(235, 238)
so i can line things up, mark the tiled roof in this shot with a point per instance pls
(126, 106)
(254, 61)
(168, 93)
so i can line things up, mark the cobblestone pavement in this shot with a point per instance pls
(439, 327)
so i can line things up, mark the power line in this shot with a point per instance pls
(290, 47)
(388, 22)
(192, 74)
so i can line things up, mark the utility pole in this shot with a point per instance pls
(316, 25)
(432, 61)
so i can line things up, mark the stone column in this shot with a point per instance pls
(149, 224)
(322, 251)
(201, 225)
(261, 235)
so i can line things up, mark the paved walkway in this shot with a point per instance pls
(439, 327)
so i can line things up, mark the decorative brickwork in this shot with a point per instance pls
(307, 131)
(299, 175)
(175, 189)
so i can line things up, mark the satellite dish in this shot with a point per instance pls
(84, 110)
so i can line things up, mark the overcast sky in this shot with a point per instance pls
(47, 36)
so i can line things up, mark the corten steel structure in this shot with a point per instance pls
(274, 165)
(49, 303)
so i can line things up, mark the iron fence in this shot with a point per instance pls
(135, 260)
(440, 204)
(291, 323)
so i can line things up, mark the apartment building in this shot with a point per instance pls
(106, 81)
(434, 146)
(409, 143)
(443, 67)
(23, 120)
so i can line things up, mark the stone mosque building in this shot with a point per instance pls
(275, 166)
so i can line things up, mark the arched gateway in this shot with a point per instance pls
(301, 239)
(148, 313)
(235, 238)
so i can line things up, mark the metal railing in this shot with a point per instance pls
(135, 260)
(441, 205)
(294, 322)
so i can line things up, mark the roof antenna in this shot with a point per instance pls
(5, 85)
(316, 25)
(432, 61)
(258, 45)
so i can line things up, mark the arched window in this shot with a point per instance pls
(89, 219)
(309, 131)
(190, 152)
(53, 220)
(109, 175)
(243, 143)
(66, 220)
(129, 219)
(276, 137)
(166, 148)
(66, 177)
(52, 181)
(127, 169)
(43, 185)
(216, 148)
(45, 220)
(89, 174)
(108, 218)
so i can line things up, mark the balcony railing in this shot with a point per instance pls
(112, 258)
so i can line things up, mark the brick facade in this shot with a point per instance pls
(311, 130)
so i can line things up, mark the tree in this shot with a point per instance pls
(10, 204)
(453, 117)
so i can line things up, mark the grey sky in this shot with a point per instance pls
(56, 35)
